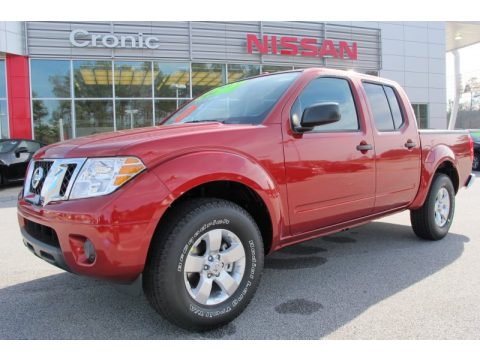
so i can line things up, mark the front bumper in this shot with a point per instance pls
(49, 253)
(120, 226)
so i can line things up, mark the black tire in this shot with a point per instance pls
(423, 219)
(163, 277)
(476, 162)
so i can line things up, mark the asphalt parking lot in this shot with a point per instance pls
(377, 281)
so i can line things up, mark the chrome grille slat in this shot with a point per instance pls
(45, 165)
(59, 176)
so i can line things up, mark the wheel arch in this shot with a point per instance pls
(440, 159)
(230, 177)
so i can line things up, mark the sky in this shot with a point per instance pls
(469, 67)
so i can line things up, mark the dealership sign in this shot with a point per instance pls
(82, 38)
(292, 46)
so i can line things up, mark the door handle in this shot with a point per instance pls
(364, 147)
(410, 144)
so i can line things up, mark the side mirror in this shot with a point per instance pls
(317, 115)
(21, 150)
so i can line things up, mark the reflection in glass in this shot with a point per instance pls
(50, 78)
(133, 79)
(133, 113)
(3, 83)
(3, 120)
(274, 68)
(238, 72)
(206, 77)
(163, 108)
(92, 79)
(52, 120)
(172, 80)
(93, 116)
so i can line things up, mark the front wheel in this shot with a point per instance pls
(433, 220)
(205, 265)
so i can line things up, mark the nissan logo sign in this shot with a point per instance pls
(82, 38)
(37, 177)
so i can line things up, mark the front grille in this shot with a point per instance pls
(46, 165)
(67, 178)
(42, 233)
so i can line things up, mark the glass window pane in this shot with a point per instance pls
(93, 79)
(3, 120)
(238, 72)
(3, 83)
(379, 106)
(423, 110)
(52, 120)
(323, 90)
(206, 77)
(394, 106)
(421, 114)
(242, 102)
(163, 108)
(274, 68)
(93, 116)
(50, 78)
(133, 113)
(133, 79)
(172, 80)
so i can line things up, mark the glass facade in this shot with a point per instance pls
(52, 120)
(72, 98)
(4, 133)
(421, 113)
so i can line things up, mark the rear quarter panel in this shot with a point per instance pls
(439, 146)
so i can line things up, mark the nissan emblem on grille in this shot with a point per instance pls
(37, 177)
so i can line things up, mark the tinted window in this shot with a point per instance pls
(172, 80)
(7, 145)
(93, 79)
(133, 79)
(394, 106)
(421, 114)
(3, 83)
(50, 78)
(30, 145)
(329, 90)
(206, 77)
(52, 120)
(379, 105)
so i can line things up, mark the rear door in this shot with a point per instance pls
(397, 147)
(329, 179)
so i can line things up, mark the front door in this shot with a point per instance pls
(330, 170)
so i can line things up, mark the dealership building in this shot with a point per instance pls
(60, 80)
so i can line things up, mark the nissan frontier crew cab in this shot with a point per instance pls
(195, 204)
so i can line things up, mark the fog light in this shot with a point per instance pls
(89, 250)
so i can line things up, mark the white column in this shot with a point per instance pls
(458, 90)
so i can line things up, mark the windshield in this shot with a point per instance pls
(242, 102)
(7, 145)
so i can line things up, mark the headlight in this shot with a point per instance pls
(101, 176)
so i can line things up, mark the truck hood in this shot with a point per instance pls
(145, 143)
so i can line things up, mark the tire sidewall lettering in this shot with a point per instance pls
(247, 281)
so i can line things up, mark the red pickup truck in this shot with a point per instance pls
(194, 205)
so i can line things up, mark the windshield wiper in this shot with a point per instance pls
(200, 121)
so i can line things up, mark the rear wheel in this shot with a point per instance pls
(433, 220)
(204, 265)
